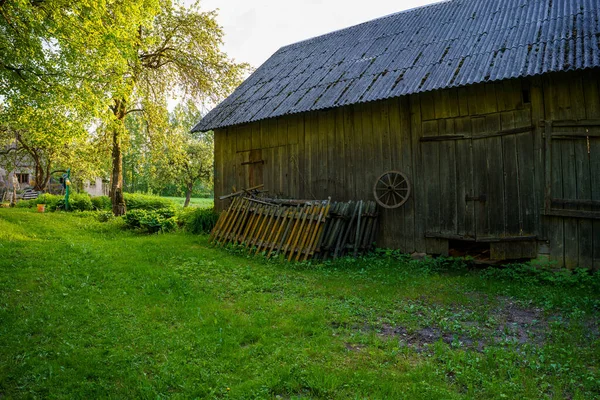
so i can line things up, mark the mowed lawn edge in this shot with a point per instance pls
(89, 310)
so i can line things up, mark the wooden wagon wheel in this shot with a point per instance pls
(391, 189)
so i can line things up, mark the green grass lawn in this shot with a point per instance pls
(90, 311)
(194, 202)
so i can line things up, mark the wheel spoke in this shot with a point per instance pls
(395, 178)
(400, 196)
(387, 201)
(393, 198)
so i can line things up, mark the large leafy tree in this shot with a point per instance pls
(123, 57)
(60, 65)
(179, 157)
(178, 55)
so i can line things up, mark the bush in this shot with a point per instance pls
(137, 201)
(101, 203)
(105, 216)
(199, 220)
(50, 200)
(80, 202)
(151, 221)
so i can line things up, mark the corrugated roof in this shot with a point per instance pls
(443, 45)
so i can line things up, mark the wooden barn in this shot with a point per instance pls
(489, 108)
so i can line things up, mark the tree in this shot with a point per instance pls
(182, 158)
(43, 137)
(61, 63)
(178, 55)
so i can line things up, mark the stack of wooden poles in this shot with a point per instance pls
(297, 229)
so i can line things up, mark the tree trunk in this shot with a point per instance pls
(116, 181)
(188, 195)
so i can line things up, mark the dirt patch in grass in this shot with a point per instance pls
(518, 324)
(509, 323)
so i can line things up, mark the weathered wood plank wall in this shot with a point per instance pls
(475, 157)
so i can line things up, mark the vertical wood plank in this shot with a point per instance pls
(464, 161)
(583, 178)
(418, 181)
(350, 152)
(512, 197)
(407, 156)
(369, 154)
(538, 115)
(496, 207)
(359, 155)
(480, 180)
(592, 105)
(339, 149)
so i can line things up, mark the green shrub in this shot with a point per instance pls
(199, 220)
(50, 200)
(151, 221)
(80, 202)
(101, 203)
(25, 203)
(105, 216)
(137, 201)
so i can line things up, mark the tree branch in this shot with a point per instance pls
(135, 110)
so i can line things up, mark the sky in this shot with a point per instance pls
(255, 29)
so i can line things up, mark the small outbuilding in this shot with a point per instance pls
(490, 109)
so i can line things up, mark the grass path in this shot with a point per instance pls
(88, 310)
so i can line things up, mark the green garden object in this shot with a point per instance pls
(67, 188)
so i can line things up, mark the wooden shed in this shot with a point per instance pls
(490, 108)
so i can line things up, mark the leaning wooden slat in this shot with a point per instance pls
(241, 192)
(271, 230)
(358, 228)
(289, 238)
(307, 211)
(343, 238)
(328, 226)
(282, 226)
(339, 224)
(252, 224)
(225, 238)
(310, 249)
(308, 231)
(240, 222)
(370, 226)
(222, 218)
(215, 231)
(222, 236)
(302, 229)
(243, 223)
(290, 224)
(269, 210)
(248, 221)
(240, 210)
(330, 220)
(368, 222)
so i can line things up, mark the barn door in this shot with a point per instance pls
(572, 170)
(480, 187)
(249, 168)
